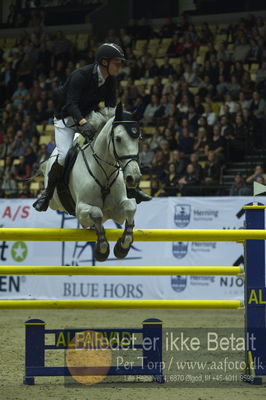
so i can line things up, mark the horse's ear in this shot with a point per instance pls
(119, 112)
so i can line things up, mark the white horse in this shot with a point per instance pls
(98, 180)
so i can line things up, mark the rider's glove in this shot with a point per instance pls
(87, 130)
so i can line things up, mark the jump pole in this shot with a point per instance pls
(140, 235)
(100, 270)
(118, 304)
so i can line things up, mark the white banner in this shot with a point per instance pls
(177, 213)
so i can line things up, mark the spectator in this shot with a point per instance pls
(145, 159)
(216, 143)
(171, 180)
(188, 180)
(212, 170)
(9, 185)
(239, 188)
(20, 94)
(194, 160)
(150, 110)
(186, 142)
(23, 170)
(210, 116)
(258, 173)
(19, 145)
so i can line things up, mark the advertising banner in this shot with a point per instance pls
(160, 213)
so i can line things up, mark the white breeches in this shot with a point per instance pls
(63, 137)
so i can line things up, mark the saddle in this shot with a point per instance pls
(63, 191)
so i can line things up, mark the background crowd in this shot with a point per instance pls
(198, 90)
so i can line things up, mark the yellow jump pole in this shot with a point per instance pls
(99, 270)
(140, 235)
(119, 304)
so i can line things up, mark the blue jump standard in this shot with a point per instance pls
(255, 299)
(35, 350)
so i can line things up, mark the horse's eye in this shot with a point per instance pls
(118, 139)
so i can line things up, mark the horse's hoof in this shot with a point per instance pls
(101, 256)
(119, 251)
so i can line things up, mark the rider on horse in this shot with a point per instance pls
(76, 98)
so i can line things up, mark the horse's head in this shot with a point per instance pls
(125, 140)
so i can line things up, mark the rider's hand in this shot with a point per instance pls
(87, 130)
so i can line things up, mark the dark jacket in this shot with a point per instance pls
(80, 94)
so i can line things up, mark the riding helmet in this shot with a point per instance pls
(108, 51)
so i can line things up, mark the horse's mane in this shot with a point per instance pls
(101, 119)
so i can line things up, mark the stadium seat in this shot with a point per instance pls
(45, 139)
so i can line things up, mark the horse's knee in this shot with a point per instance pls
(128, 208)
(87, 215)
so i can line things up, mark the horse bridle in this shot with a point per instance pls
(117, 166)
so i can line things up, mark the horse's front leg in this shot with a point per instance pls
(123, 244)
(91, 215)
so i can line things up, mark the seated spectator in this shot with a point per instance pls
(9, 186)
(234, 87)
(221, 87)
(176, 158)
(159, 165)
(8, 168)
(160, 116)
(258, 173)
(199, 109)
(145, 159)
(186, 142)
(228, 102)
(166, 68)
(188, 180)
(190, 76)
(19, 145)
(171, 85)
(23, 170)
(241, 50)
(205, 87)
(257, 105)
(210, 116)
(169, 137)
(194, 160)
(261, 73)
(192, 117)
(30, 156)
(184, 104)
(6, 147)
(243, 100)
(20, 94)
(154, 141)
(150, 110)
(200, 143)
(171, 180)
(216, 143)
(212, 169)
(239, 187)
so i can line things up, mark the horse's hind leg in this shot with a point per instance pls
(87, 216)
(123, 244)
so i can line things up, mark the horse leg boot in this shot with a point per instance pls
(138, 194)
(56, 172)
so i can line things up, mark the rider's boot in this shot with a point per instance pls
(138, 194)
(56, 172)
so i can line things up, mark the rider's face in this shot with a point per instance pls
(115, 66)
